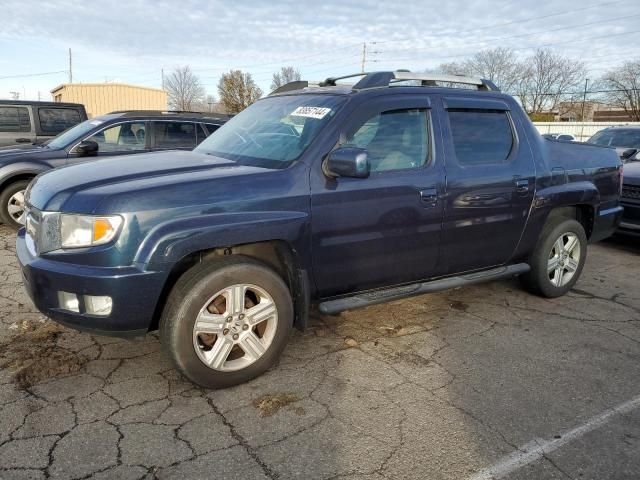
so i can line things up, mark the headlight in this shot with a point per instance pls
(78, 231)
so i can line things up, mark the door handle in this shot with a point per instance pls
(522, 186)
(429, 197)
(23, 140)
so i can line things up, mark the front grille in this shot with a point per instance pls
(631, 191)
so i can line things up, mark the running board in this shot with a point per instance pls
(374, 297)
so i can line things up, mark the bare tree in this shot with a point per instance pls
(623, 84)
(284, 76)
(547, 82)
(210, 104)
(237, 91)
(184, 89)
(500, 65)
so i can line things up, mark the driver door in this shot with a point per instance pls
(385, 229)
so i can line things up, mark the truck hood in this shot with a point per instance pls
(632, 173)
(82, 188)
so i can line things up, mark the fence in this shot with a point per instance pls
(582, 131)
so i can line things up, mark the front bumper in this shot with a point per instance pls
(134, 292)
(630, 224)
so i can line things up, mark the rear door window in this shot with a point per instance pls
(14, 119)
(481, 137)
(56, 120)
(174, 135)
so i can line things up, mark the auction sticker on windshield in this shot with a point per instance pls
(311, 112)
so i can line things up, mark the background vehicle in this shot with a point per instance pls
(630, 200)
(23, 122)
(117, 133)
(379, 192)
(626, 141)
(564, 137)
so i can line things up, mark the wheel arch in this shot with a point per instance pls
(279, 255)
(584, 213)
(16, 175)
(578, 200)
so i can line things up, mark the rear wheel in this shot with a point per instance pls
(557, 262)
(12, 206)
(227, 321)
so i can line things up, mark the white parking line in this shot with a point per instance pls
(538, 447)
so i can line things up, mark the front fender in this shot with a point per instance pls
(170, 241)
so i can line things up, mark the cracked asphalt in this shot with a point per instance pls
(435, 387)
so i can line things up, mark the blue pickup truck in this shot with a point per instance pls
(339, 196)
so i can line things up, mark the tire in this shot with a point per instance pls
(566, 268)
(11, 194)
(202, 293)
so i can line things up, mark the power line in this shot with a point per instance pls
(33, 74)
(457, 32)
(495, 39)
(498, 25)
(290, 60)
(550, 44)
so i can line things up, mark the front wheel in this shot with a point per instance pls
(557, 261)
(12, 206)
(227, 321)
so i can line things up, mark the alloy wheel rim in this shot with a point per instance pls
(235, 327)
(564, 259)
(15, 207)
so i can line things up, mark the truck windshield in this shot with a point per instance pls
(273, 132)
(73, 134)
(617, 138)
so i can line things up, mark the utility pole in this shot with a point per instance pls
(584, 100)
(70, 68)
(364, 55)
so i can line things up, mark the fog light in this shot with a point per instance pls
(98, 305)
(68, 301)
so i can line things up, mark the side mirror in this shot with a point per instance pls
(628, 153)
(86, 148)
(347, 162)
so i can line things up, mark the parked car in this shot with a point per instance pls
(385, 192)
(117, 133)
(563, 137)
(625, 139)
(23, 122)
(630, 200)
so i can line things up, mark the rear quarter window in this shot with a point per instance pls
(481, 137)
(56, 120)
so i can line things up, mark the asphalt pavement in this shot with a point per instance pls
(481, 382)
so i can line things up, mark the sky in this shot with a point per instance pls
(133, 41)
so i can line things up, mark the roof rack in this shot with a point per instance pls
(385, 79)
(171, 112)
